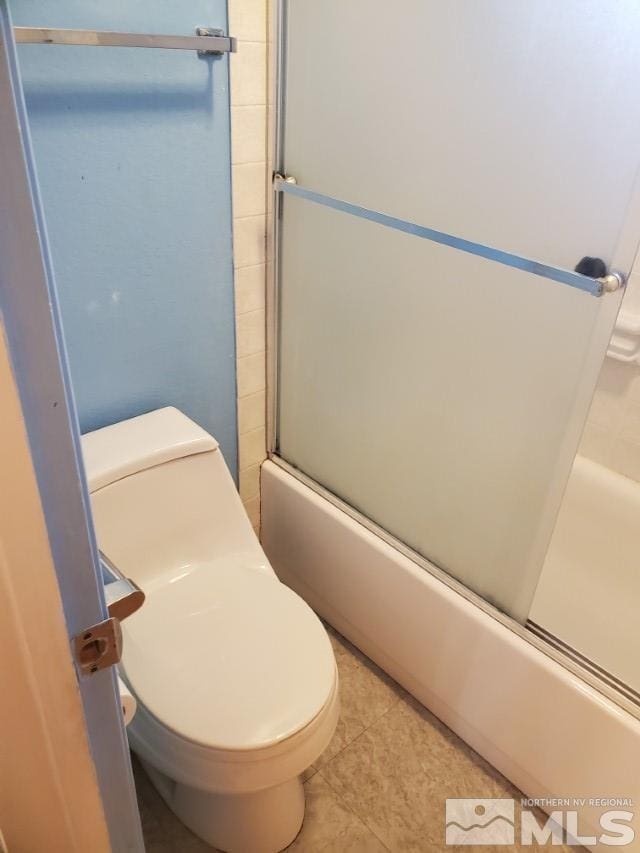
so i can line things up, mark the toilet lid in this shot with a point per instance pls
(229, 657)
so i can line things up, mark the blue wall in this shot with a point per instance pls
(132, 151)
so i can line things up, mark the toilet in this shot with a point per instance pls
(234, 674)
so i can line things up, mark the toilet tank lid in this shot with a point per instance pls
(134, 445)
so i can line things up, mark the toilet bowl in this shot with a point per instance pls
(234, 674)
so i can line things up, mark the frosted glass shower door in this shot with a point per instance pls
(441, 389)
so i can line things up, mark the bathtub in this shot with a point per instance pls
(589, 588)
(539, 723)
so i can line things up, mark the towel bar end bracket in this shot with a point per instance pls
(216, 33)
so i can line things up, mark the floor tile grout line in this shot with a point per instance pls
(319, 770)
(348, 807)
(359, 664)
(359, 735)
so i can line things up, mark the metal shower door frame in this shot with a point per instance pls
(623, 259)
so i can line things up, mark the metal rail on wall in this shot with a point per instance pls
(208, 41)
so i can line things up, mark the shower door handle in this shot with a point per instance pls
(596, 268)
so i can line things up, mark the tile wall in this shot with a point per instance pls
(248, 23)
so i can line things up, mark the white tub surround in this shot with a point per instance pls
(612, 432)
(589, 588)
(625, 341)
(546, 729)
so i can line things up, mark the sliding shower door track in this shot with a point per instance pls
(585, 663)
(562, 654)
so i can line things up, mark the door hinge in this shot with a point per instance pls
(98, 647)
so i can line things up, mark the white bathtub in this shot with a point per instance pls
(589, 590)
(542, 726)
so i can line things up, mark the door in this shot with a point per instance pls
(447, 167)
(32, 328)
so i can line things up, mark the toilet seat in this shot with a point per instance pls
(226, 657)
(232, 771)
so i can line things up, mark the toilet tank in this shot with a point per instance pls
(163, 499)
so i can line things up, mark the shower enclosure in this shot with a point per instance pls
(439, 176)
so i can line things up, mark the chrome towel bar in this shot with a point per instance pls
(288, 185)
(207, 41)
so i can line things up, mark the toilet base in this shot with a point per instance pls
(263, 821)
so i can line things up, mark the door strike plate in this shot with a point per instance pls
(98, 647)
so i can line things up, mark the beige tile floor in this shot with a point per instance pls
(381, 784)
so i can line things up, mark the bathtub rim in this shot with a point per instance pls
(552, 648)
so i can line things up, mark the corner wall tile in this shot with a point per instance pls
(250, 482)
(249, 74)
(249, 22)
(251, 374)
(249, 189)
(248, 124)
(249, 235)
(252, 448)
(250, 285)
(252, 508)
(251, 412)
(250, 333)
(248, 19)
